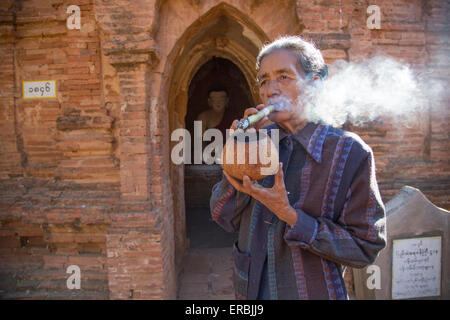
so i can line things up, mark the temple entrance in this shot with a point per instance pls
(221, 76)
(208, 267)
(214, 58)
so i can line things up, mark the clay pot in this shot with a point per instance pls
(256, 165)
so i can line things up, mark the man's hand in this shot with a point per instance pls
(248, 112)
(275, 198)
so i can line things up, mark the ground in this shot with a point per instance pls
(207, 275)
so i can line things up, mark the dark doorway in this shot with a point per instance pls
(216, 74)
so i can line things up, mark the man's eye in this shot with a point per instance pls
(283, 77)
(263, 83)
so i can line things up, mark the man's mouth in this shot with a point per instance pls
(282, 103)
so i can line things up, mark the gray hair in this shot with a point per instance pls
(309, 57)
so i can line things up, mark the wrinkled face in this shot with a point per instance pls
(218, 100)
(280, 79)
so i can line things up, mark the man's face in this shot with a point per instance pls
(218, 100)
(280, 79)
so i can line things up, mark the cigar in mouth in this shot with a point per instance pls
(254, 118)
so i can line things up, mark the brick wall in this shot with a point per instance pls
(59, 173)
(84, 177)
(416, 33)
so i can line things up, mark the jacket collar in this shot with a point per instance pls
(311, 137)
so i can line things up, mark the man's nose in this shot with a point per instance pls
(273, 89)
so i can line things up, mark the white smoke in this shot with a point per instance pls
(282, 103)
(364, 91)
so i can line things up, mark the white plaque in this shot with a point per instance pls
(416, 268)
(39, 89)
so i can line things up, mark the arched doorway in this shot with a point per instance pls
(222, 38)
(207, 269)
(216, 74)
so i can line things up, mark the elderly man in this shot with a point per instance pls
(322, 211)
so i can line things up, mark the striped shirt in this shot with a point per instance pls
(330, 179)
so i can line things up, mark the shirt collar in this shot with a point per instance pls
(311, 137)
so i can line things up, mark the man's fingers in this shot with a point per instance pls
(234, 124)
(246, 186)
(249, 111)
(247, 183)
(252, 186)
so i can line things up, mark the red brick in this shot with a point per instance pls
(58, 164)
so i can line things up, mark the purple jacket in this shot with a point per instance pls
(330, 178)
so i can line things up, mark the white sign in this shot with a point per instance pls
(416, 268)
(39, 89)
